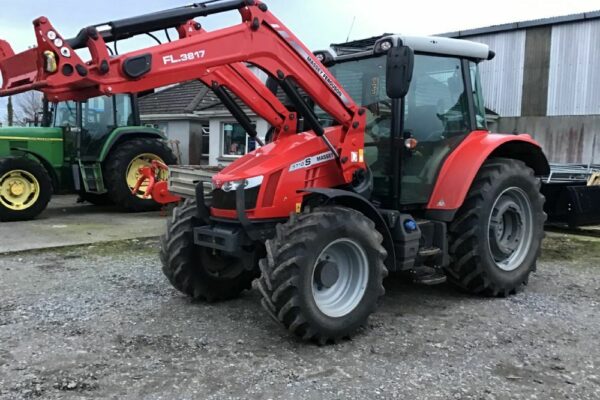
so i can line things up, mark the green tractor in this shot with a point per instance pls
(94, 148)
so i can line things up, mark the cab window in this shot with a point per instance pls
(65, 115)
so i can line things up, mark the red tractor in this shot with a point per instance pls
(378, 162)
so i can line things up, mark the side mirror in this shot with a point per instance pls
(400, 66)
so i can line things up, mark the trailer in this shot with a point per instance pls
(573, 195)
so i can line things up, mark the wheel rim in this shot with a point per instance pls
(133, 172)
(340, 277)
(510, 229)
(19, 190)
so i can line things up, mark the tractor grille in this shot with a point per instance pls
(222, 200)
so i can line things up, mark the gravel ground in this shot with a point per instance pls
(102, 322)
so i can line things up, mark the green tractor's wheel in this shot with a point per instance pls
(121, 171)
(25, 189)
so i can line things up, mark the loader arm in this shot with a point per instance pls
(240, 80)
(216, 58)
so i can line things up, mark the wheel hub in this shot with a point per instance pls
(510, 229)
(133, 172)
(340, 278)
(19, 190)
(326, 274)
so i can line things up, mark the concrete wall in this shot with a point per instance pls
(180, 131)
(557, 92)
(195, 146)
(565, 139)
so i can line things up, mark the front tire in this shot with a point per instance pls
(323, 274)
(121, 171)
(25, 189)
(199, 272)
(496, 237)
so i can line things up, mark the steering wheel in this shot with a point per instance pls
(375, 123)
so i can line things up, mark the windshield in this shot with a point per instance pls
(65, 115)
(364, 80)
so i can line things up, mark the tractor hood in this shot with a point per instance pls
(280, 155)
(31, 133)
(275, 177)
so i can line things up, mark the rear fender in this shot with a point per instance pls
(356, 202)
(461, 167)
(121, 135)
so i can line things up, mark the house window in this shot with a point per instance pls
(205, 140)
(236, 142)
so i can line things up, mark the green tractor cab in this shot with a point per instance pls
(93, 148)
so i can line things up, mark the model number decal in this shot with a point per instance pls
(191, 56)
(310, 161)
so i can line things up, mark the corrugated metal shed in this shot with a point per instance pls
(574, 86)
(502, 78)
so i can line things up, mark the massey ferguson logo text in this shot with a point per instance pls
(310, 161)
(324, 75)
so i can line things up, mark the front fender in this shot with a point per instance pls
(463, 164)
(357, 202)
(47, 165)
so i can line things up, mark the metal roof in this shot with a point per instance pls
(370, 42)
(525, 24)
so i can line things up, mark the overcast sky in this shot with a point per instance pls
(317, 22)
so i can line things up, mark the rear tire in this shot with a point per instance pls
(496, 237)
(118, 164)
(196, 271)
(33, 193)
(298, 292)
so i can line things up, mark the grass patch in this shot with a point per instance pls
(569, 247)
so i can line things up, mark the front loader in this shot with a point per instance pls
(379, 162)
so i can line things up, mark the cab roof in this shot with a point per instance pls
(431, 45)
(442, 46)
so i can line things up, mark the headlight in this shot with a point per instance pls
(386, 46)
(51, 65)
(245, 183)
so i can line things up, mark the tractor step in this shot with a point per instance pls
(430, 252)
(91, 175)
(428, 276)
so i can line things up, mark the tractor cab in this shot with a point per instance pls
(88, 125)
(442, 106)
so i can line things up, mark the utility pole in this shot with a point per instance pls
(10, 112)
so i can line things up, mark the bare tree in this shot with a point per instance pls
(10, 112)
(30, 106)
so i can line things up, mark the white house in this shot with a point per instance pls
(206, 132)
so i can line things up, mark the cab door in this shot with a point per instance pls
(437, 115)
(97, 122)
